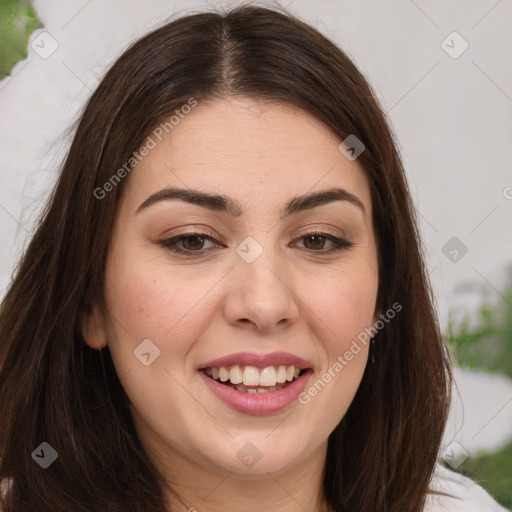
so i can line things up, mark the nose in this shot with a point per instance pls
(260, 295)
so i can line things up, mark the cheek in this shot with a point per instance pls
(146, 303)
(345, 310)
(345, 303)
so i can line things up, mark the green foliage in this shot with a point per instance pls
(17, 21)
(488, 347)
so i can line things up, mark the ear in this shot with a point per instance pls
(94, 328)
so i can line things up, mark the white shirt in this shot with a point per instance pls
(471, 497)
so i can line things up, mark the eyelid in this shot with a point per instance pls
(340, 244)
(189, 231)
(200, 229)
(321, 229)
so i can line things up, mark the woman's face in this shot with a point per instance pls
(251, 277)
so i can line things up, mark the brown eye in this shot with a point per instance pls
(190, 244)
(316, 242)
(193, 243)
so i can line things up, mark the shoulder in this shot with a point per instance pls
(466, 495)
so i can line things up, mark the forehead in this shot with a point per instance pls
(248, 149)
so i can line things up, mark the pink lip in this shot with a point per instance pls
(257, 403)
(259, 360)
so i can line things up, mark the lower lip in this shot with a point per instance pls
(257, 403)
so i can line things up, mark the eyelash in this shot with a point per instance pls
(340, 244)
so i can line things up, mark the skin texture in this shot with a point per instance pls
(295, 297)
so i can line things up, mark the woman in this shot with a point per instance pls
(225, 304)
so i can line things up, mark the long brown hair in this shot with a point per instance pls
(55, 389)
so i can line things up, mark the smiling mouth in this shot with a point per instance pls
(250, 379)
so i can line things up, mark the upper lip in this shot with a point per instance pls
(260, 360)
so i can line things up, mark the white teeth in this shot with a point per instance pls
(281, 374)
(235, 375)
(268, 377)
(243, 389)
(253, 376)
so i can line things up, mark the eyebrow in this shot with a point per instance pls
(230, 206)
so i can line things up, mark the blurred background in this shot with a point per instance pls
(442, 73)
